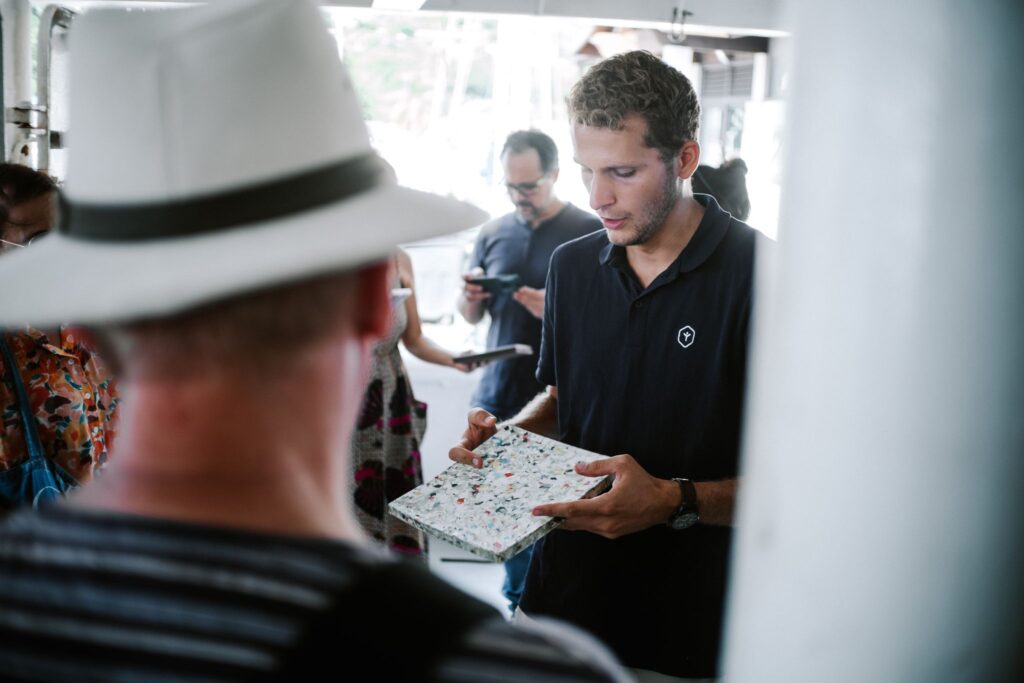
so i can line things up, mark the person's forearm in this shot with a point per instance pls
(540, 415)
(471, 311)
(716, 501)
(428, 351)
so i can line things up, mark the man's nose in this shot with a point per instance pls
(601, 193)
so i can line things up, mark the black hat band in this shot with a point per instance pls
(225, 210)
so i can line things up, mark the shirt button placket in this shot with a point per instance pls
(637, 323)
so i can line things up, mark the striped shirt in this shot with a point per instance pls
(90, 596)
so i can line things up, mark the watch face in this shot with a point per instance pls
(683, 519)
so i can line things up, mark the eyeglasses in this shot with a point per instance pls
(526, 188)
(6, 245)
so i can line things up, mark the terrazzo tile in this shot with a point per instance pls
(487, 511)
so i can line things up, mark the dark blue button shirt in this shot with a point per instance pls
(506, 246)
(658, 373)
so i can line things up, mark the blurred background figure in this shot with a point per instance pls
(727, 184)
(57, 399)
(26, 205)
(519, 243)
(386, 442)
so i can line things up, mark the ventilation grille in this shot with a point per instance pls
(727, 81)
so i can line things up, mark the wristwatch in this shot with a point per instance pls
(686, 514)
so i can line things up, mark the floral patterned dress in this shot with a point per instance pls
(73, 397)
(386, 445)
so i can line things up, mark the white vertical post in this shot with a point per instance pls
(17, 60)
(759, 86)
(17, 17)
(881, 526)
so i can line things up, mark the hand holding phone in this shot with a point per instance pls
(496, 284)
(476, 359)
(474, 294)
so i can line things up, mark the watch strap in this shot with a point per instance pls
(686, 515)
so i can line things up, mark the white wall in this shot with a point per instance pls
(882, 524)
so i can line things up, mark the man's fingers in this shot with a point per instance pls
(475, 293)
(583, 515)
(531, 299)
(575, 508)
(465, 456)
(528, 294)
(481, 427)
(478, 417)
(598, 468)
(549, 510)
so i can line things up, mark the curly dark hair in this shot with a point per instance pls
(638, 83)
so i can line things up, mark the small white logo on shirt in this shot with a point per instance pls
(686, 336)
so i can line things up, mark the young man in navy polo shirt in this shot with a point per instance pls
(644, 353)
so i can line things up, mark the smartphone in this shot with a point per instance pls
(496, 354)
(497, 284)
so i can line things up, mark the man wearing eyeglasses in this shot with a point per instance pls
(519, 243)
(57, 398)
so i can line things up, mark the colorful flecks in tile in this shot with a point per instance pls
(487, 511)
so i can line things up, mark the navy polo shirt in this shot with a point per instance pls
(658, 373)
(509, 246)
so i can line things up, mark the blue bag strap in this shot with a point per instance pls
(43, 482)
(28, 420)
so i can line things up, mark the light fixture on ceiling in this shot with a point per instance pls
(677, 29)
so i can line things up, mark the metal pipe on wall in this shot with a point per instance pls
(881, 525)
(17, 68)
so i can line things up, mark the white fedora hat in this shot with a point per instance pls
(213, 150)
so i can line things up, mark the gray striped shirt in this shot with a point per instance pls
(87, 596)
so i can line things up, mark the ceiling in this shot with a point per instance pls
(723, 18)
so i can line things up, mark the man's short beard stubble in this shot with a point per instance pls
(653, 217)
(528, 211)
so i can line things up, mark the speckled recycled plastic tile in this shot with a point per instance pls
(487, 511)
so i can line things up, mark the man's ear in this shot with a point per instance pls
(554, 175)
(372, 314)
(689, 158)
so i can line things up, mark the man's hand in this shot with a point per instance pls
(482, 426)
(531, 299)
(474, 294)
(635, 502)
